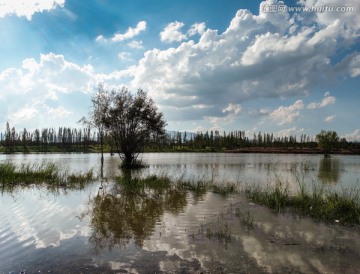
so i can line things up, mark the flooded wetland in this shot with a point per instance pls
(111, 225)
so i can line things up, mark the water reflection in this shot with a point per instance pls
(159, 230)
(329, 170)
(127, 213)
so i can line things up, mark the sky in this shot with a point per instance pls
(283, 67)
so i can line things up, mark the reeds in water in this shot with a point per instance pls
(44, 173)
(318, 203)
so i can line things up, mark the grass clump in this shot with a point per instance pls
(318, 203)
(29, 173)
(245, 218)
(152, 181)
(222, 234)
(225, 189)
(199, 187)
(276, 197)
(330, 206)
(80, 178)
(45, 173)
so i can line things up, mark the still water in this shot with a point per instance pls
(106, 230)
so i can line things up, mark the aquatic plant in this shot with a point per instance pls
(222, 233)
(44, 173)
(152, 181)
(318, 203)
(224, 189)
(244, 217)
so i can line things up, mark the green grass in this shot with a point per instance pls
(319, 203)
(225, 189)
(152, 181)
(45, 173)
(80, 178)
(199, 187)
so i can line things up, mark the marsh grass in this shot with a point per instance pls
(152, 181)
(318, 203)
(44, 173)
(222, 234)
(245, 218)
(199, 187)
(225, 189)
(81, 178)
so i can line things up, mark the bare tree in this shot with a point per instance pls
(130, 119)
(99, 107)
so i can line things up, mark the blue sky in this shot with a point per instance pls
(208, 64)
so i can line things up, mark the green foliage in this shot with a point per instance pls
(46, 173)
(152, 181)
(95, 138)
(327, 140)
(276, 196)
(130, 120)
(317, 203)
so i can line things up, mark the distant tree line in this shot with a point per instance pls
(85, 139)
(47, 140)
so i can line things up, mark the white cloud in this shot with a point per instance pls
(172, 32)
(41, 91)
(352, 137)
(293, 131)
(355, 66)
(124, 55)
(197, 28)
(273, 45)
(101, 38)
(330, 118)
(350, 20)
(326, 101)
(232, 108)
(27, 8)
(60, 111)
(265, 56)
(256, 57)
(130, 33)
(284, 115)
(218, 122)
(22, 115)
(136, 44)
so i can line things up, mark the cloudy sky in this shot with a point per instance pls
(208, 64)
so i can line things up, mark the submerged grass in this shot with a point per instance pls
(222, 234)
(199, 187)
(152, 181)
(45, 173)
(319, 203)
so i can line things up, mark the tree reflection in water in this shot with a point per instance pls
(329, 170)
(131, 210)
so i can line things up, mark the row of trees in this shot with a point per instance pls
(47, 139)
(129, 123)
(87, 138)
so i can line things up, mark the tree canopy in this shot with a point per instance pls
(130, 119)
(327, 140)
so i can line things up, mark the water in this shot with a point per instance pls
(109, 231)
